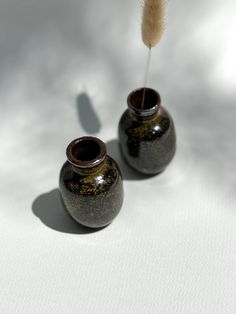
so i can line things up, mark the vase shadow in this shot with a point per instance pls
(86, 114)
(128, 173)
(49, 209)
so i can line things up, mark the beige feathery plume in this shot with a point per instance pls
(153, 21)
(152, 29)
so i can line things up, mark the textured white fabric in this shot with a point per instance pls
(66, 70)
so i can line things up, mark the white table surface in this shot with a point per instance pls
(66, 70)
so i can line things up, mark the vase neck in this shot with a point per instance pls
(87, 171)
(86, 155)
(144, 103)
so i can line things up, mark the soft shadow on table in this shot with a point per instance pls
(49, 209)
(128, 173)
(87, 115)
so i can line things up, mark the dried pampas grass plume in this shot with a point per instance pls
(153, 21)
(152, 30)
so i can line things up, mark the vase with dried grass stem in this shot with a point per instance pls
(146, 130)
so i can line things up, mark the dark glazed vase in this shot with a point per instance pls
(90, 183)
(147, 136)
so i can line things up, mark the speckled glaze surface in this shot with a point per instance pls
(147, 136)
(91, 190)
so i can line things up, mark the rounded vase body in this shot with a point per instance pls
(90, 183)
(146, 133)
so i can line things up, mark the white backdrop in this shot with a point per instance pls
(66, 70)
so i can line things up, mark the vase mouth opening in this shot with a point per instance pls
(86, 152)
(144, 101)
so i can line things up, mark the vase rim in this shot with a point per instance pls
(151, 105)
(86, 152)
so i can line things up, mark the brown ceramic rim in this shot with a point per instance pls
(144, 112)
(86, 163)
